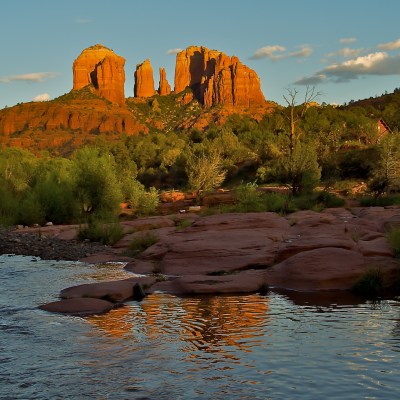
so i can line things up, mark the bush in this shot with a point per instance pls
(370, 284)
(142, 202)
(103, 232)
(8, 208)
(394, 240)
(30, 211)
(389, 200)
(141, 243)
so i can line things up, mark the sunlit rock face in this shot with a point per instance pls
(144, 81)
(104, 70)
(164, 87)
(216, 78)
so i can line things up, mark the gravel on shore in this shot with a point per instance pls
(47, 248)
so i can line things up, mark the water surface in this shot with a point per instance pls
(236, 347)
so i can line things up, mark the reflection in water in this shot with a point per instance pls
(236, 347)
(208, 324)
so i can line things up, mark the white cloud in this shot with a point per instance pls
(42, 97)
(277, 52)
(348, 40)
(31, 77)
(305, 51)
(346, 52)
(269, 52)
(378, 63)
(390, 45)
(174, 51)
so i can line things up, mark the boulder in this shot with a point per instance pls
(113, 291)
(79, 306)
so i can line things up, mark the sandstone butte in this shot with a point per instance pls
(101, 67)
(216, 78)
(304, 252)
(96, 104)
(144, 81)
(164, 88)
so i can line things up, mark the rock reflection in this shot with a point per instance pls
(208, 324)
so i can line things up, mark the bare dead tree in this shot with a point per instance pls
(297, 112)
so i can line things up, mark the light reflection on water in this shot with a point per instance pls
(240, 347)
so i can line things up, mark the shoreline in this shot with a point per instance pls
(305, 251)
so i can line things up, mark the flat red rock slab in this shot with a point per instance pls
(243, 282)
(78, 306)
(114, 291)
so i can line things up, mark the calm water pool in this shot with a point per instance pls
(220, 347)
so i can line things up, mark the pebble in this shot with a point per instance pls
(47, 248)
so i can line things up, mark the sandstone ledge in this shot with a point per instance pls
(239, 253)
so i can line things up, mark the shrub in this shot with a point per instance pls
(394, 240)
(141, 243)
(184, 223)
(370, 284)
(142, 202)
(103, 232)
(383, 201)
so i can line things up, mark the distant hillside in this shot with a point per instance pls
(386, 106)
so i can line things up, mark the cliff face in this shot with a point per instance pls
(101, 67)
(144, 81)
(216, 78)
(164, 87)
(87, 116)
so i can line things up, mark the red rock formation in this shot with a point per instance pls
(216, 78)
(144, 82)
(101, 67)
(86, 116)
(164, 87)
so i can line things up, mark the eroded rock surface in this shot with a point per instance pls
(101, 68)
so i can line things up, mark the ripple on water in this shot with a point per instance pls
(240, 347)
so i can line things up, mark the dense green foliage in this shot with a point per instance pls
(90, 185)
(330, 144)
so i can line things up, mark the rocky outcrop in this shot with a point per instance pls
(164, 87)
(216, 78)
(144, 81)
(85, 116)
(101, 68)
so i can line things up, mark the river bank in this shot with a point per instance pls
(226, 253)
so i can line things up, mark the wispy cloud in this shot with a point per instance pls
(42, 97)
(278, 52)
(348, 40)
(378, 63)
(346, 52)
(82, 20)
(174, 51)
(31, 77)
(274, 52)
(390, 45)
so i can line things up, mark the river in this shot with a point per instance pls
(166, 347)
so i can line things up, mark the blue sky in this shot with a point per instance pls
(347, 49)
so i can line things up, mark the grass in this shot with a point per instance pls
(97, 231)
(393, 237)
(371, 284)
(141, 243)
(249, 199)
(388, 200)
(183, 224)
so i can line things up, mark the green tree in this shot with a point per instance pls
(205, 170)
(96, 184)
(386, 174)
